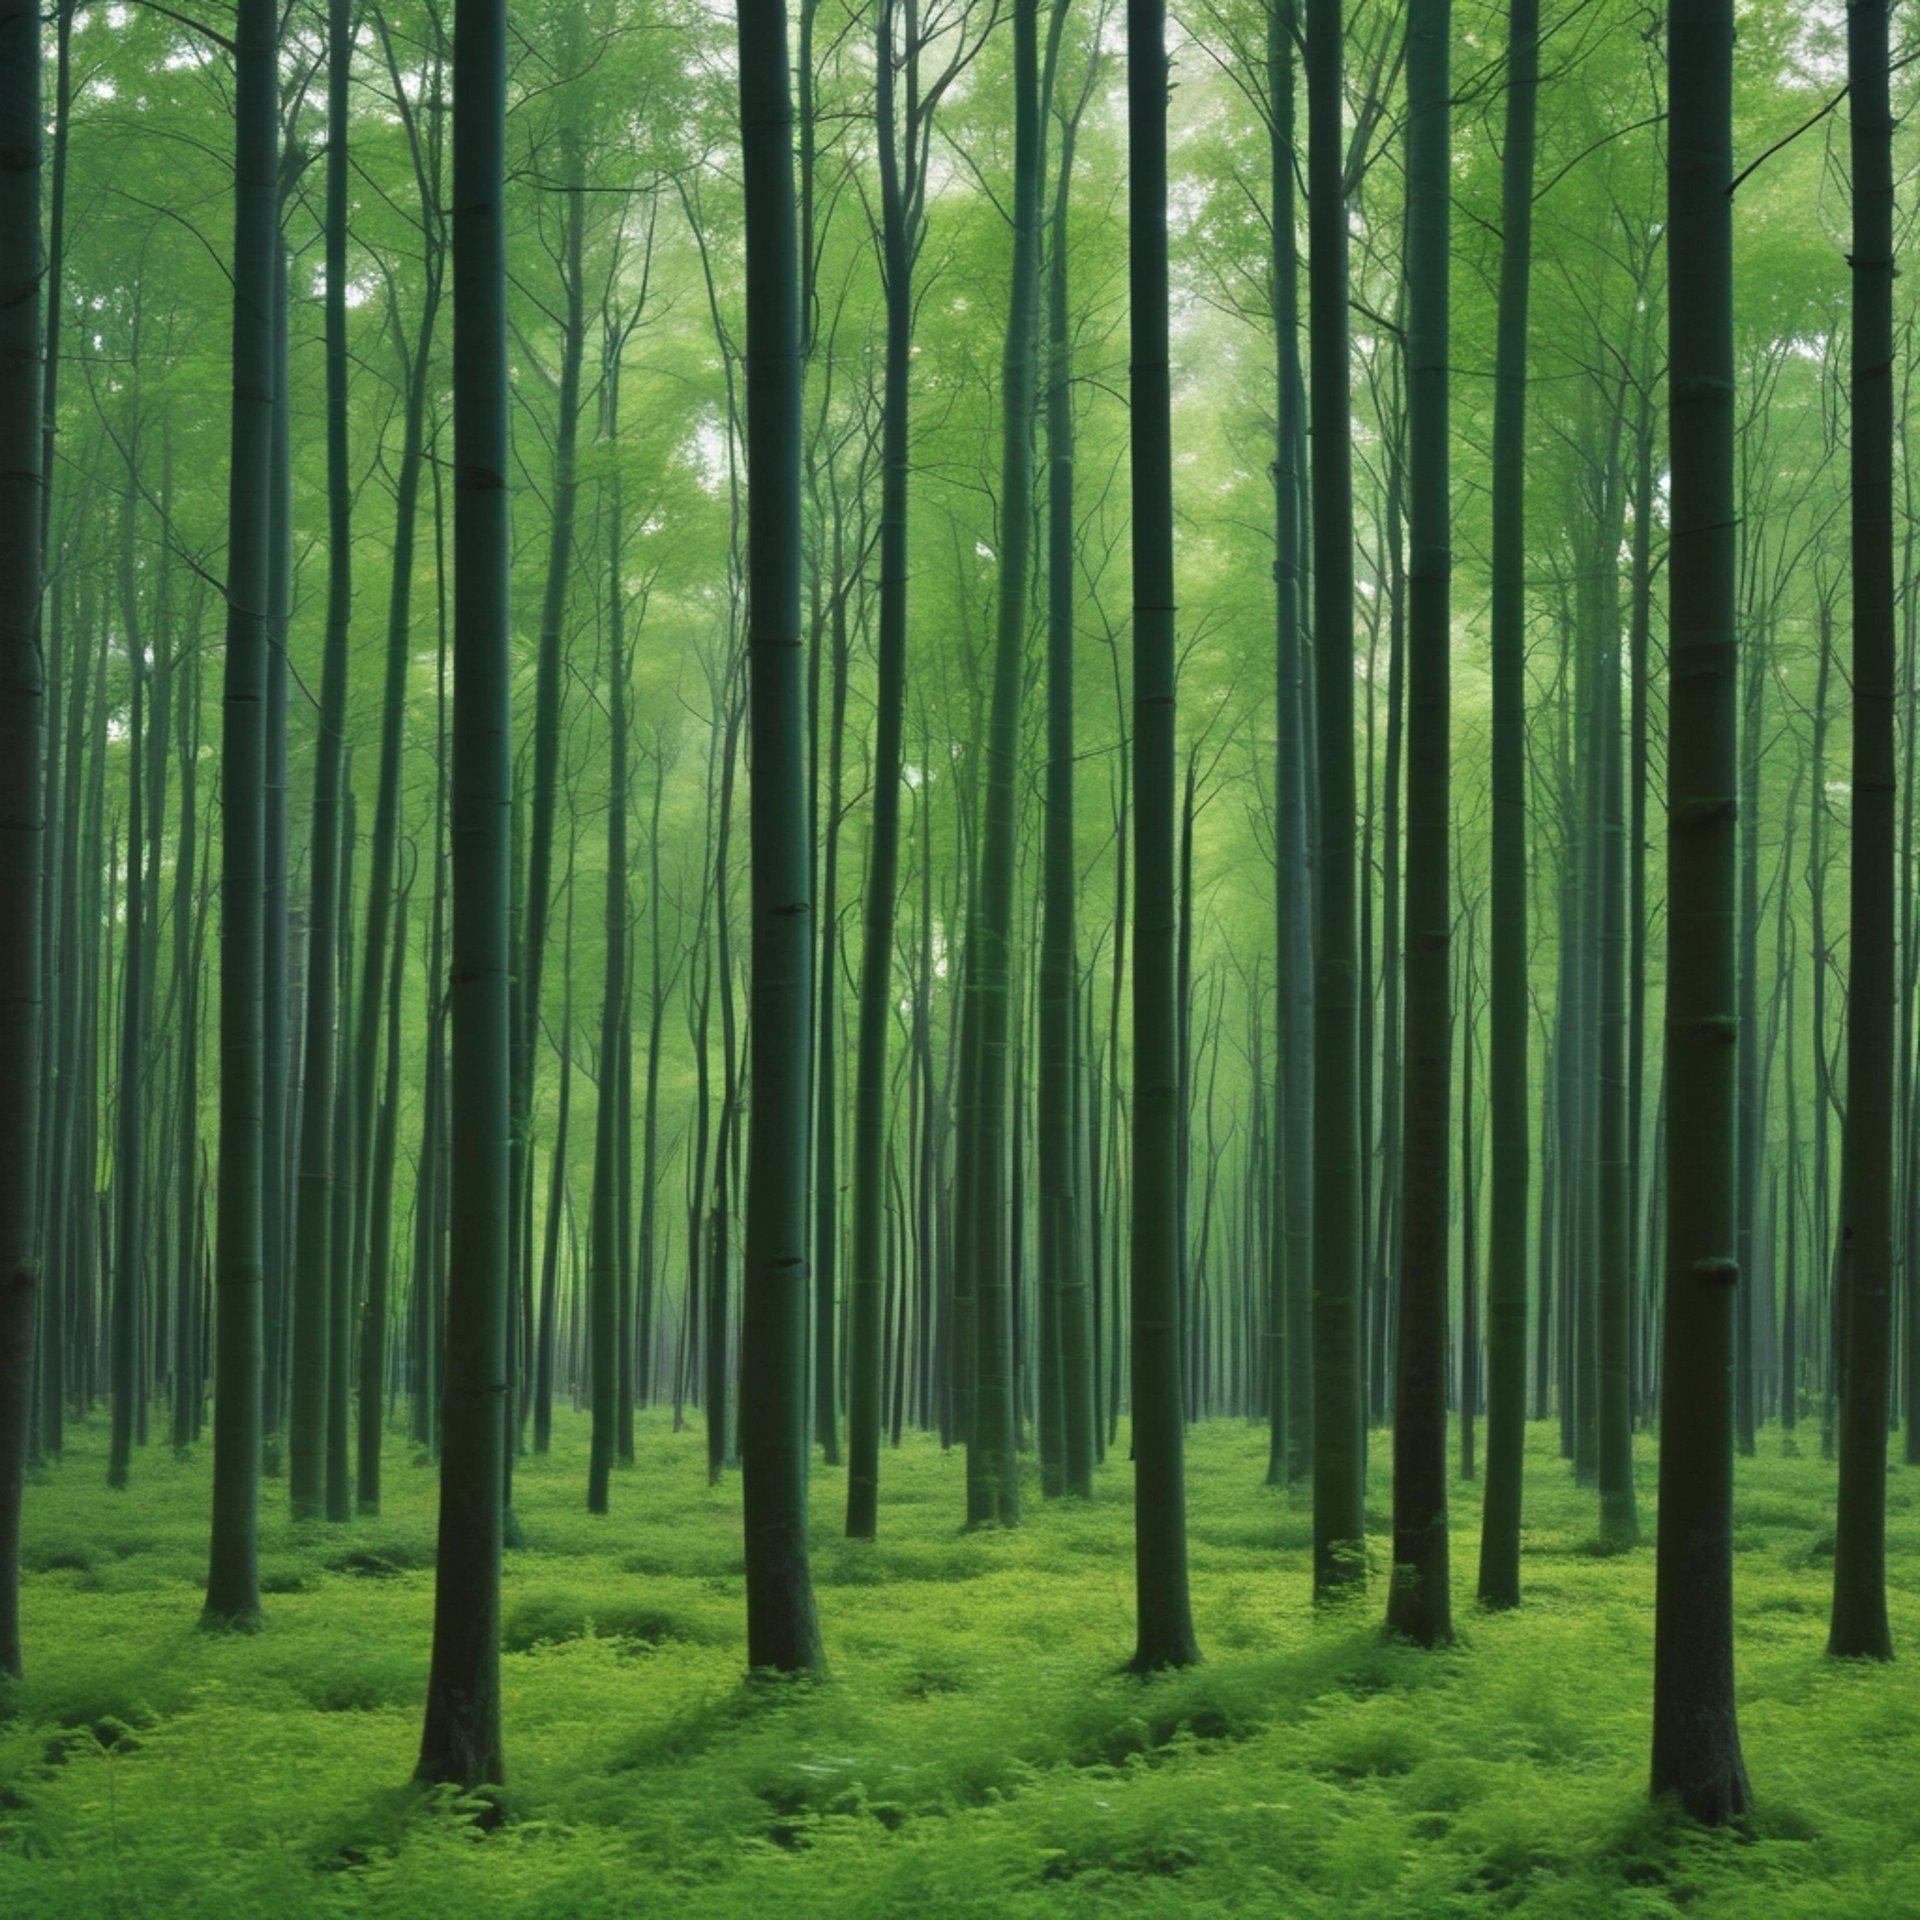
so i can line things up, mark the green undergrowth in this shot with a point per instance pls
(977, 1750)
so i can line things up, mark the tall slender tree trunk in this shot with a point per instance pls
(546, 738)
(460, 1742)
(22, 824)
(782, 1631)
(1063, 1251)
(126, 1378)
(1419, 1605)
(1619, 1514)
(1163, 1609)
(865, 1357)
(604, 1237)
(1696, 1741)
(548, 1336)
(1339, 1410)
(373, 1183)
(1290, 1387)
(1507, 1008)
(233, 1579)
(1859, 1625)
(993, 1483)
(276, 1014)
(187, 935)
(317, 1280)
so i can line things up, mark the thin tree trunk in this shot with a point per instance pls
(1419, 1606)
(865, 1344)
(1339, 1437)
(1859, 1625)
(782, 1631)
(1164, 1611)
(22, 824)
(1507, 1009)
(460, 1742)
(1696, 1742)
(233, 1580)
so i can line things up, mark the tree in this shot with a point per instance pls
(782, 1632)
(1859, 1626)
(1696, 1740)
(22, 823)
(373, 1183)
(1290, 1388)
(1067, 1307)
(1507, 1012)
(1339, 1410)
(461, 1741)
(1163, 1609)
(317, 1459)
(233, 1578)
(1418, 1605)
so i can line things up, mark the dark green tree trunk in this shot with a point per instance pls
(317, 1282)
(22, 825)
(548, 669)
(1749, 1143)
(1339, 1412)
(1290, 1383)
(346, 1125)
(1419, 1606)
(1063, 1249)
(233, 1580)
(603, 1243)
(1619, 1515)
(186, 1002)
(127, 1379)
(864, 1355)
(547, 1338)
(374, 1178)
(1164, 1611)
(460, 1743)
(276, 1052)
(1507, 1009)
(782, 1631)
(658, 987)
(993, 1484)
(1859, 1626)
(1696, 1741)
(374, 1369)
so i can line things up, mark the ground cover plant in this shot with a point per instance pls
(976, 1751)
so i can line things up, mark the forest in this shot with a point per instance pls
(958, 957)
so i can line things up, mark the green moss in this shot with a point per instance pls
(978, 1751)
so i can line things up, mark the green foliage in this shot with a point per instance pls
(978, 1751)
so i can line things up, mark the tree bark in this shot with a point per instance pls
(1696, 1741)
(460, 1742)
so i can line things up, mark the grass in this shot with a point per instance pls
(977, 1751)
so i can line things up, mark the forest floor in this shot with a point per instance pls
(977, 1751)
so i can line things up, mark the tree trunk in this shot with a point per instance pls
(233, 1580)
(1507, 1009)
(864, 1330)
(1419, 1606)
(460, 1742)
(1696, 1741)
(782, 1632)
(1339, 1411)
(22, 690)
(1165, 1616)
(1859, 1626)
